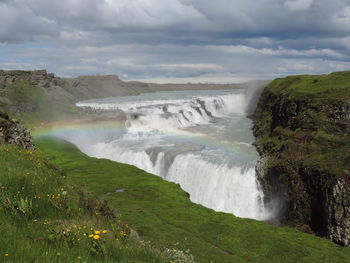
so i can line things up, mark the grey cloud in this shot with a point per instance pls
(177, 38)
(297, 5)
(22, 24)
(235, 18)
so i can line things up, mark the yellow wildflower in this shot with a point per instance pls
(96, 236)
(97, 232)
(104, 231)
(91, 235)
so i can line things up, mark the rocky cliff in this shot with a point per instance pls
(37, 77)
(12, 132)
(302, 125)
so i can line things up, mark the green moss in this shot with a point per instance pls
(163, 214)
(316, 139)
(332, 86)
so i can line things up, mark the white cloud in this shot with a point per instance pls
(150, 13)
(343, 17)
(299, 5)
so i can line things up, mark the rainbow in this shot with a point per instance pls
(68, 126)
(86, 126)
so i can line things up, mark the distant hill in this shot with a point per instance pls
(37, 96)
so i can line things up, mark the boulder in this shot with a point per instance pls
(12, 132)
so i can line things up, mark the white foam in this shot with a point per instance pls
(228, 185)
(173, 115)
(227, 189)
(218, 186)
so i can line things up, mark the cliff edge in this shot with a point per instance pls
(302, 125)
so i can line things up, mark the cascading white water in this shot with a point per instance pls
(213, 179)
(172, 114)
(200, 140)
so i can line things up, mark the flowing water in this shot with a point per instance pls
(201, 140)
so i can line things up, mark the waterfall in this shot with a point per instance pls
(200, 140)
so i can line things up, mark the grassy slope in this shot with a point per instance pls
(333, 86)
(32, 104)
(162, 213)
(44, 216)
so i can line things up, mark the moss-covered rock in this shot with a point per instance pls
(12, 132)
(302, 125)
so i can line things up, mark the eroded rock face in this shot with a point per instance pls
(37, 77)
(292, 138)
(12, 132)
(339, 213)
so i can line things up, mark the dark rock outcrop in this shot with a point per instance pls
(12, 132)
(305, 165)
(37, 77)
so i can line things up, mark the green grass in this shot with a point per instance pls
(333, 86)
(33, 106)
(163, 214)
(45, 217)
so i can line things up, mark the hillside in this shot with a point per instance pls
(302, 125)
(35, 97)
(47, 217)
(162, 213)
(92, 87)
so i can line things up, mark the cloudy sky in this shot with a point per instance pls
(176, 40)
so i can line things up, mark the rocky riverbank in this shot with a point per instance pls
(302, 126)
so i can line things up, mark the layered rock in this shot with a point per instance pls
(304, 143)
(12, 132)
